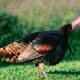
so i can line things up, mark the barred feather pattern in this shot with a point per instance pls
(13, 49)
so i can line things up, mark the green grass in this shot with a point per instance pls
(34, 16)
(65, 70)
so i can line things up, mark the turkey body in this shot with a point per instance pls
(48, 47)
(45, 47)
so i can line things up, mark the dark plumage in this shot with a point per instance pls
(57, 40)
(46, 47)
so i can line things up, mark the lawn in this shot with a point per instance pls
(21, 17)
(65, 70)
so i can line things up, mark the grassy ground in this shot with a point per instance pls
(66, 70)
(40, 15)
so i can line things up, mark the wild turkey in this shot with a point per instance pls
(46, 47)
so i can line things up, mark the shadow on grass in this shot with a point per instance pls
(67, 73)
(6, 64)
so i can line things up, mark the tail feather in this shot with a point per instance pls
(13, 49)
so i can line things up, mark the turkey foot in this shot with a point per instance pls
(41, 70)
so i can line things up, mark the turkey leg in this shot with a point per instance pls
(41, 70)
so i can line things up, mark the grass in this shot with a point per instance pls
(40, 15)
(65, 70)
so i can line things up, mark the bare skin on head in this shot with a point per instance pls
(76, 23)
